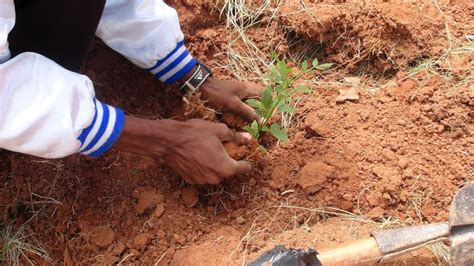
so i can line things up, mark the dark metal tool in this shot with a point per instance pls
(458, 232)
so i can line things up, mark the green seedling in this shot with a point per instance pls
(278, 96)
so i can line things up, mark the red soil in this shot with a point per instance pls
(402, 149)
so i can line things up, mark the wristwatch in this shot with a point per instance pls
(197, 79)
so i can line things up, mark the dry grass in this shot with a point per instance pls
(245, 58)
(17, 246)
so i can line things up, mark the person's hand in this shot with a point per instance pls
(227, 96)
(193, 148)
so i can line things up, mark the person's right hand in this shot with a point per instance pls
(193, 148)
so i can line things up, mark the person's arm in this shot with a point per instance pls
(148, 33)
(50, 112)
(46, 110)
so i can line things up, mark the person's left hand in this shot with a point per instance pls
(227, 96)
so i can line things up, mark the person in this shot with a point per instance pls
(48, 109)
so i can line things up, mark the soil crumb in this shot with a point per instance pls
(189, 196)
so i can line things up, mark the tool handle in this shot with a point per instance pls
(353, 253)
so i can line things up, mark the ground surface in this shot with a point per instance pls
(395, 156)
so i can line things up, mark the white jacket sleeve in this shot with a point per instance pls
(46, 110)
(147, 32)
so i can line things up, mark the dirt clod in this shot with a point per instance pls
(189, 196)
(347, 94)
(141, 240)
(179, 239)
(102, 236)
(160, 209)
(314, 175)
(147, 199)
(314, 126)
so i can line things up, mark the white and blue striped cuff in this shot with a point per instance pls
(174, 66)
(104, 130)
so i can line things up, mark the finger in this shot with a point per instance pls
(188, 178)
(223, 132)
(212, 180)
(243, 167)
(239, 168)
(241, 109)
(243, 137)
(249, 90)
(209, 179)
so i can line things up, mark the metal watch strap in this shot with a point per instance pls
(196, 80)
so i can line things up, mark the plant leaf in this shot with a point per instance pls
(315, 63)
(267, 97)
(256, 104)
(253, 129)
(279, 102)
(287, 109)
(324, 66)
(265, 128)
(276, 131)
(304, 66)
(254, 126)
(249, 130)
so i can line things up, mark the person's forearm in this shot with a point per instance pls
(192, 148)
(148, 137)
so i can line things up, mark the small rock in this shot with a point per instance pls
(161, 234)
(132, 252)
(352, 80)
(347, 94)
(346, 205)
(403, 163)
(240, 220)
(376, 212)
(374, 199)
(102, 236)
(314, 175)
(147, 199)
(405, 87)
(141, 240)
(180, 239)
(348, 196)
(118, 249)
(314, 126)
(407, 173)
(160, 209)
(190, 197)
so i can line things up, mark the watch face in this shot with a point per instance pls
(196, 80)
(199, 75)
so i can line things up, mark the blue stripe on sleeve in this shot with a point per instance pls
(118, 127)
(103, 127)
(159, 62)
(181, 72)
(172, 65)
(106, 130)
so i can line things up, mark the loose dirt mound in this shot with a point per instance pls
(369, 37)
(393, 155)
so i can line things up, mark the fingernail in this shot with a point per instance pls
(247, 136)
